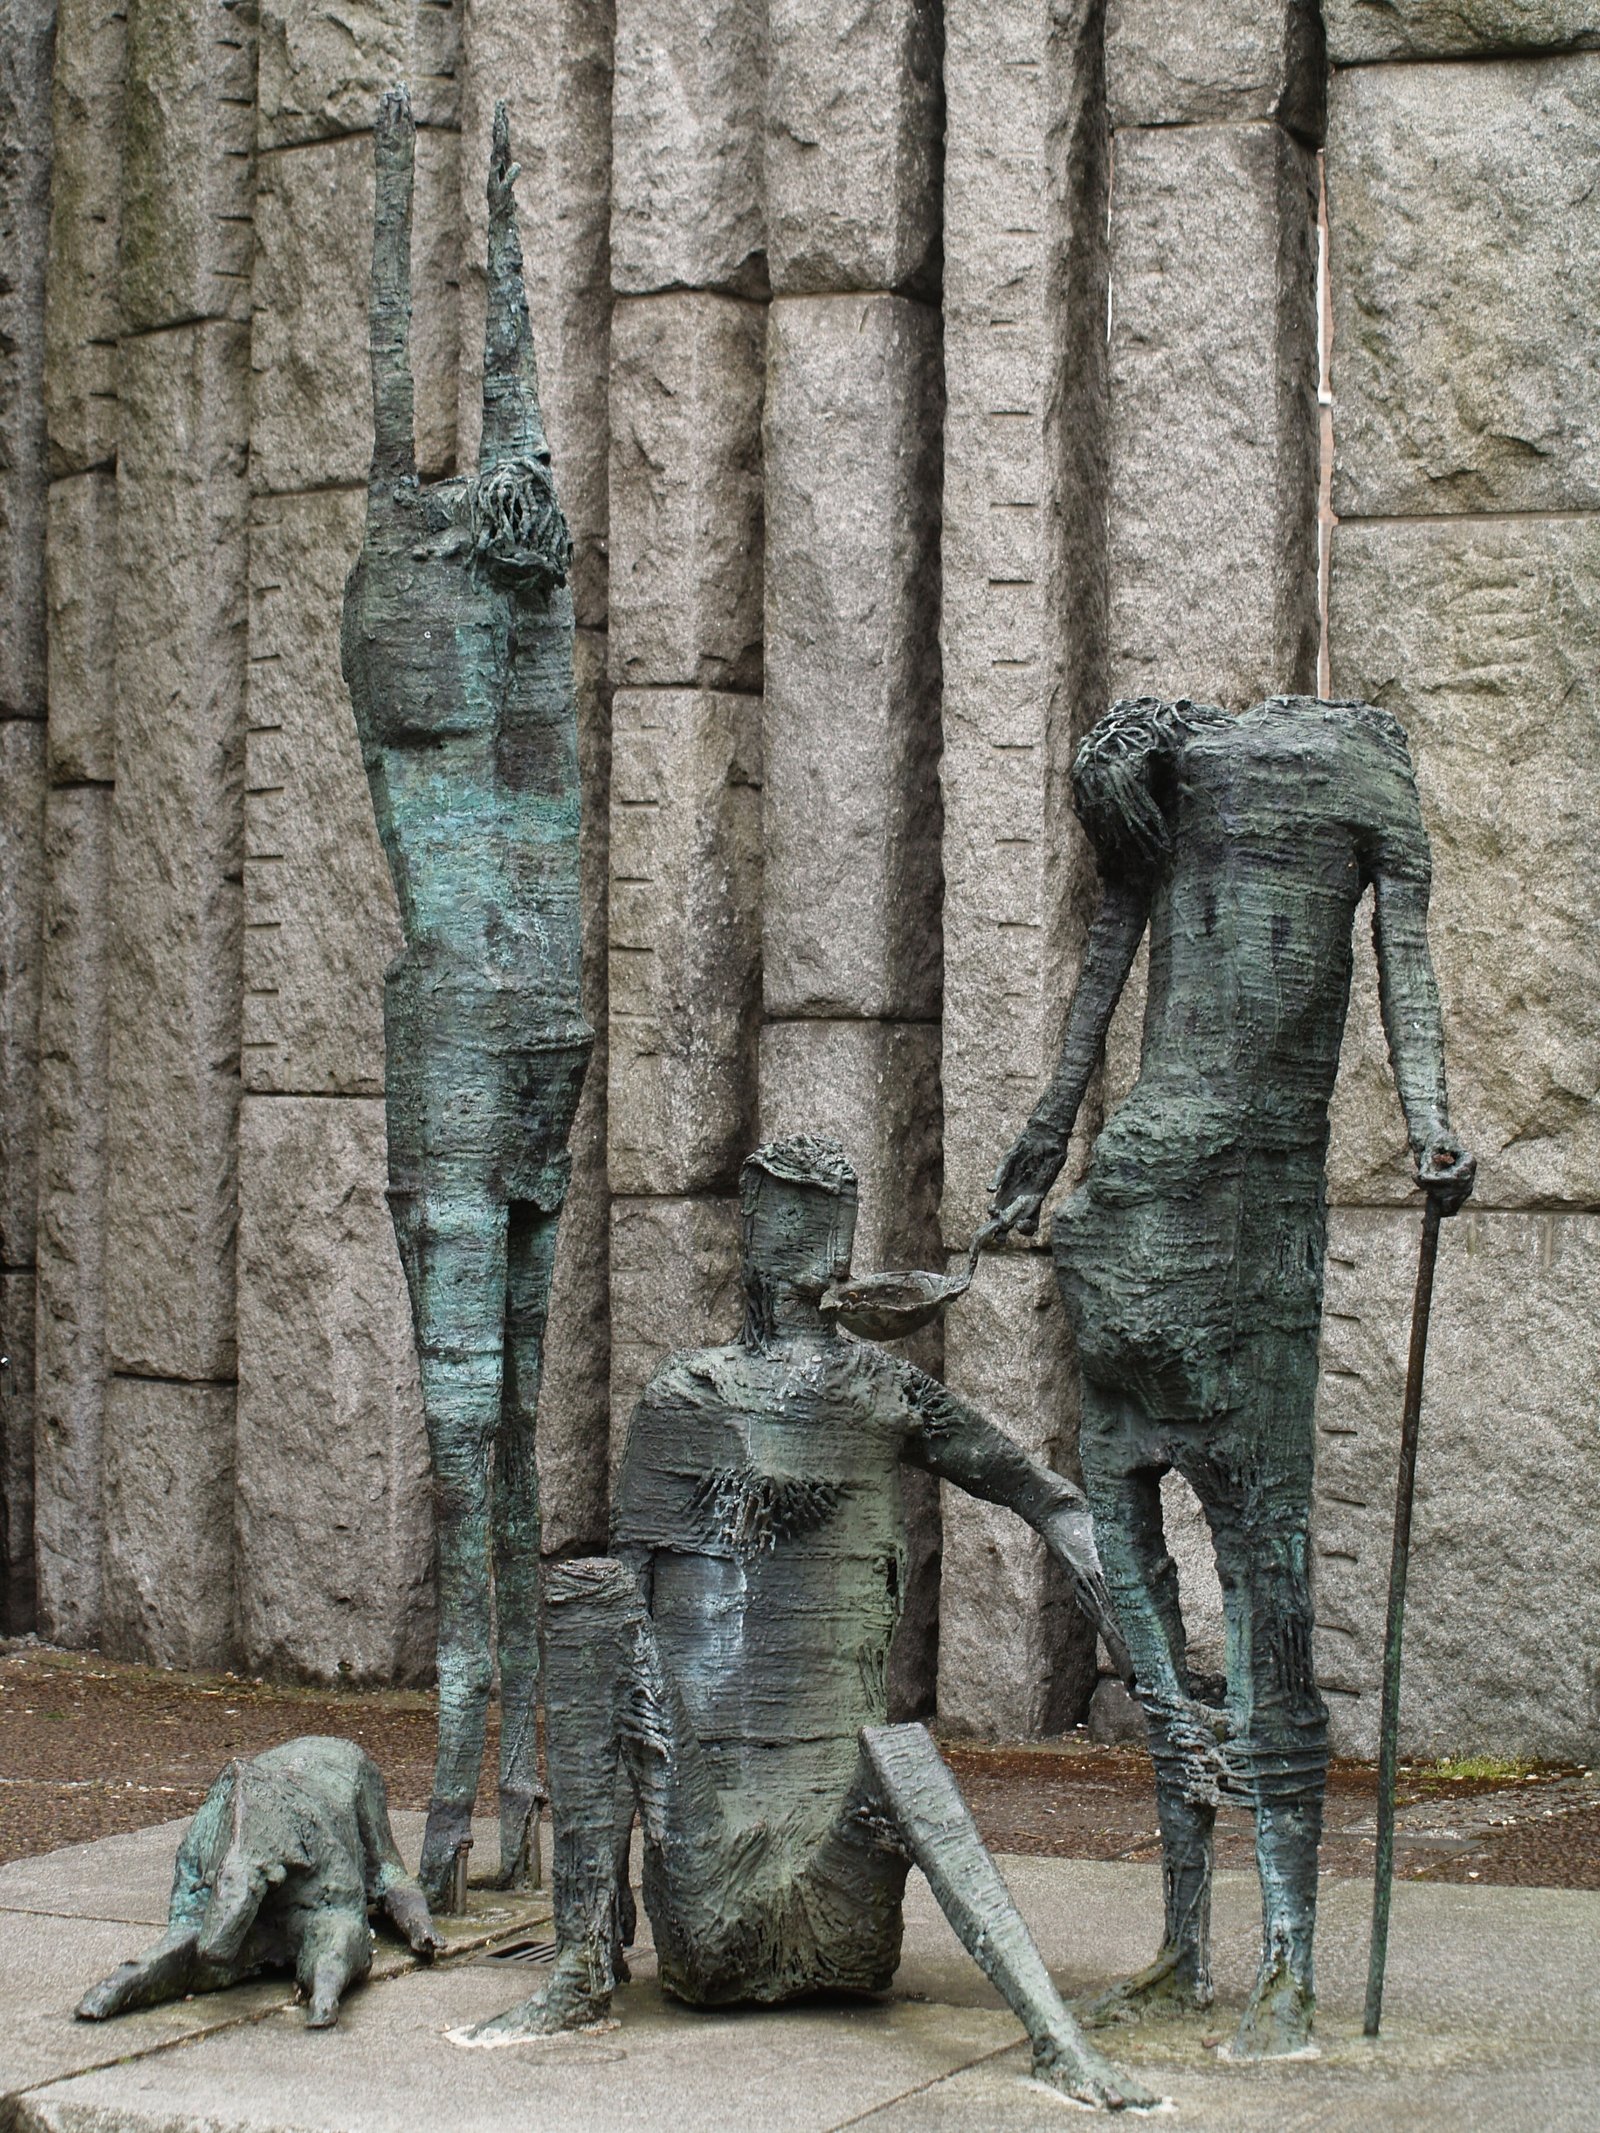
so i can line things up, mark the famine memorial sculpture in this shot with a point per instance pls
(458, 656)
(727, 1663)
(1191, 1258)
(278, 1871)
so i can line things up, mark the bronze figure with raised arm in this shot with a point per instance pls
(457, 652)
(1190, 1259)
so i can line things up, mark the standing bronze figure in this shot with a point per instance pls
(458, 656)
(1191, 1258)
(726, 1665)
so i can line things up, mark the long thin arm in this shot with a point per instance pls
(1033, 1164)
(1409, 995)
(394, 456)
(512, 425)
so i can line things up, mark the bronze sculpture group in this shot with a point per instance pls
(720, 1675)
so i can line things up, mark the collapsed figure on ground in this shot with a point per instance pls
(278, 1871)
(457, 650)
(1191, 1259)
(727, 1664)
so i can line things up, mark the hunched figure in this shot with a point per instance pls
(1191, 1258)
(726, 1664)
(457, 650)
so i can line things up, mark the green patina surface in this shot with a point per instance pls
(278, 1871)
(1191, 1258)
(457, 650)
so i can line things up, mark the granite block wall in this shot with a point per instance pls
(919, 377)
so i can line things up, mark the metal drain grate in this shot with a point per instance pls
(524, 1951)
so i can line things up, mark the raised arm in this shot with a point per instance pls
(1034, 1163)
(513, 427)
(951, 1439)
(394, 455)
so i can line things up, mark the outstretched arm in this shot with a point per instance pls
(393, 443)
(512, 425)
(1034, 1163)
(954, 1441)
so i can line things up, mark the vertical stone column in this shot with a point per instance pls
(327, 1372)
(1022, 631)
(684, 644)
(1463, 598)
(82, 329)
(25, 66)
(176, 830)
(851, 906)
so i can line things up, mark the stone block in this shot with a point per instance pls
(322, 70)
(574, 1396)
(674, 1284)
(1189, 1544)
(188, 173)
(686, 381)
(1360, 31)
(82, 312)
(18, 1422)
(1465, 281)
(332, 1460)
(1189, 62)
(874, 1086)
(168, 1507)
(687, 126)
(321, 925)
(177, 853)
(1503, 1600)
(311, 412)
(1484, 640)
(74, 1036)
(1116, 1719)
(1016, 1658)
(851, 714)
(81, 570)
(1213, 440)
(685, 958)
(25, 52)
(552, 66)
(853, 125)
(1022, 616)
(22, 882)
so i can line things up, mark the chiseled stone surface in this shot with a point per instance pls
(25, 50)
(853, 122)
(685, 977)
(188, 172)
(1503, 1600)
(1465, 284)
(311, 412)
(1365, 30)
(176, 853)
(1016, 1658)
(1484, 640)
(332, 1458)
(552, 66)
(74, 1028)
(1182, 62)
(323, 69)
(82, 314)
(686, 204)
(22, 881)
(320, 920)
(80, 571)
(1213, 445)
(851, 714)
(674, 1284)
(17, 1429)
(1022, 613)
(168, 1506)
(685, 419)
(574, 1396)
